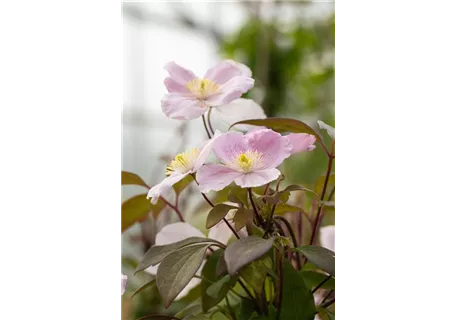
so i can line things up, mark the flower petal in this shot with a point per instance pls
(178, 73)
(331, 131)
(231, 90)
(156, 191)
(226, 70)
(327, 237)
(174, 86)
(215, 177)
(182, 107)
(274, 147)
(257, 178)
(229, 145)
(123, 283)
(238, 110)
(206, 149)
(301, 142)
(175, 232)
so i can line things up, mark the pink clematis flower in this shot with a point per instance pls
(123, 283)
(183, 164)
(189, 96)
(249, 160)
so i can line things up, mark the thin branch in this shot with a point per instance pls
(175, 208)
(205, 127)
(321, 283)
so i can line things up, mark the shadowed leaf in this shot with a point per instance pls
(319, 256)
(145, 286)
(255, 273)
(217, 213)
(242, 217)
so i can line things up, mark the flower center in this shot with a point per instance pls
(202, 88)
(183, 162)
(248, 161)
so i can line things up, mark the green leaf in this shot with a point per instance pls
(217, 213)
(295, 187)
(255, 273)
(283, 208)
(132, 178)
(238, 195)
(331, 315)
(182, 184)
(156, 254)
(313, 279)
(297, 300)
(246, 310)
(213, 288)
(156, 317)
(197, 317)
(245, 250)
(135, 209)
(242, 217)
(321, 257)
(177, 269)
(282, 125)
(221, 268)
(145, 286)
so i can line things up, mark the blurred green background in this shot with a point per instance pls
(290, 48)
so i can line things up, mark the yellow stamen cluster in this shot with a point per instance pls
(248, 160)
(202, 88)
(183, 162)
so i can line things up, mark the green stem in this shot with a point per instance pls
(257, 215)
(293, 237)
(205, 127)
(209, 121)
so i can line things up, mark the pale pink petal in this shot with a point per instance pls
(239, 110)
(123, 283)
(163, 187)
(182, 107)
(257, 178)
(178, 73)
(231, 90)
(215, 177)
(226, 70)
(174, 86)
(327, 237)
(301, 142)
(206, 149)
(175, 232)
(230, 145)
(271, 144)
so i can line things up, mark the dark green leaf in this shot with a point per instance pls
(156, 254)
(321, 257)
(156, 317)
(221, 268)
(217, 213)
(283, 208)
(244, 251)
(197, 317)
(213, 288)
(177, 269)
(190, 310)
(255, 273)
(182, 184)
(247, 310)
(297, 300)
(145, 286)
(282, 125)
(132, 178)
(242, 217)
(313, 279)
(135, 209)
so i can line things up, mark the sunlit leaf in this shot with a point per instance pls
(319, 256)
(132, 178)
(135, 209)
(145, 286)
(282, 125)
(313, 279)
(217, 213)
(182, 184)
(297, 299)
(177, 269)
(156, 254)
(245, 250)
(255, 273)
